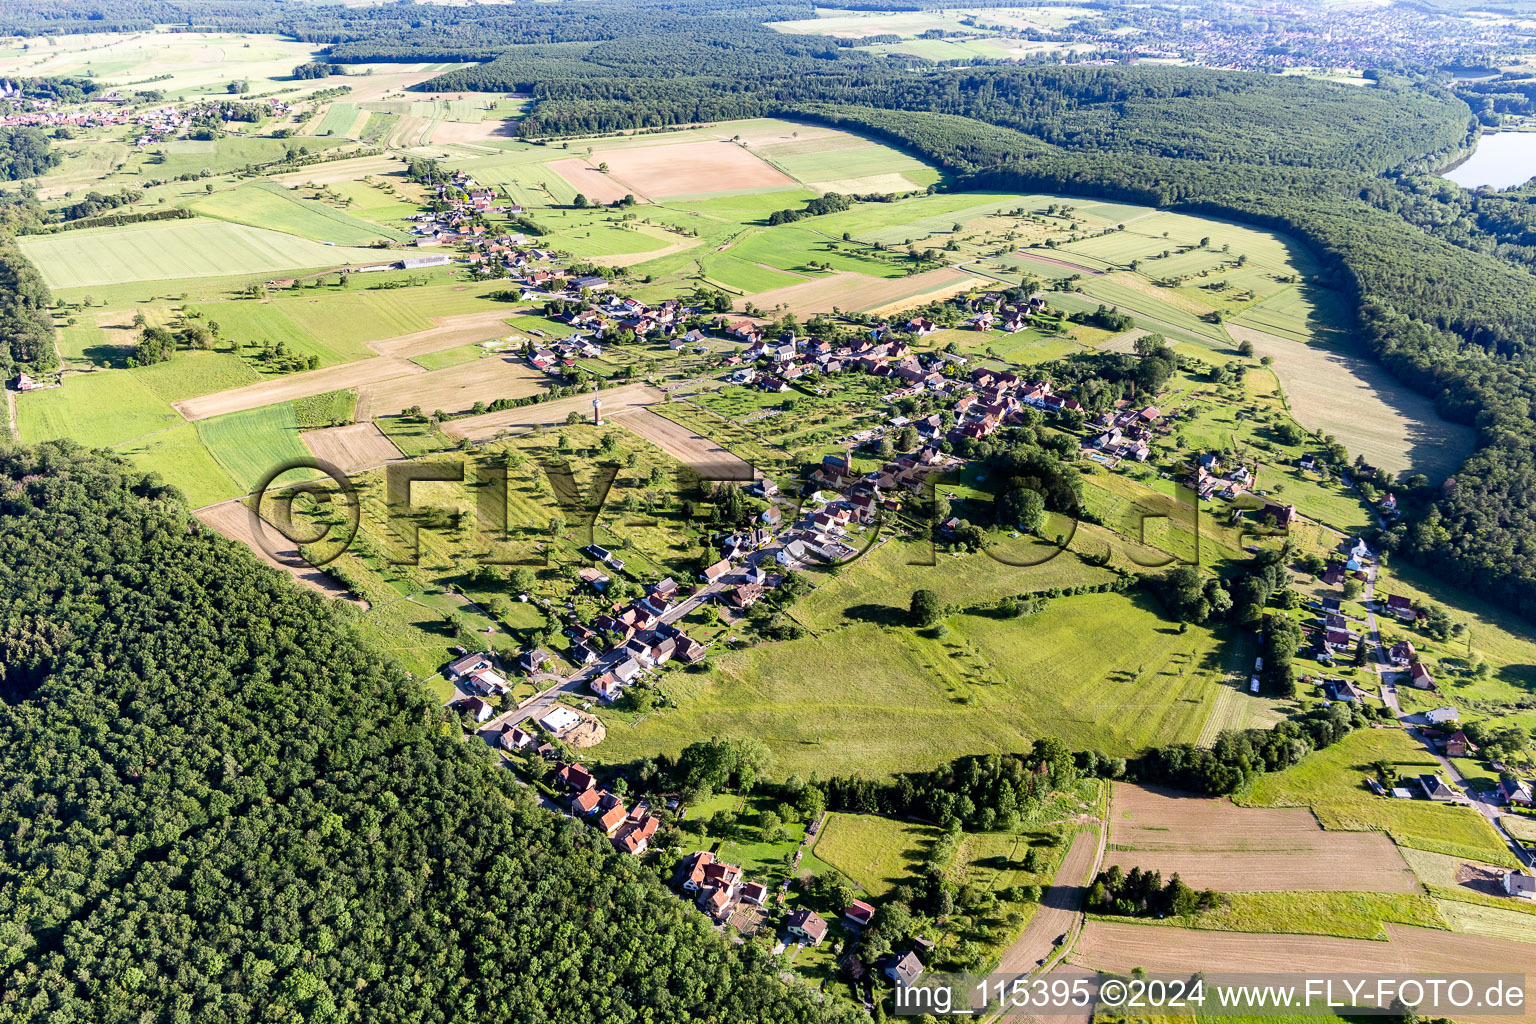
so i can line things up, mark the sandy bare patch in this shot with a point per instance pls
(859, 292)
(688, 168)
(298, 385)
(1214, 844)
(549, 414)
(591, 182)
(352, 448)
(1355, 399)
(450, 332)
(235, 520)
(1113, 946)
(683, 443)
(454, 389)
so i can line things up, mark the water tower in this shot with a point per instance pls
(597, 412)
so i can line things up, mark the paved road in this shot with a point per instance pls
(1388, 678)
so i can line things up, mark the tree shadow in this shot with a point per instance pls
(879, 614)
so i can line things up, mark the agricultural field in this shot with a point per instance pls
(265, 205)
(1118, 946)
(176, 250)
(251, 445)
(1213, 844)
(1331, 783)
(1350, 915)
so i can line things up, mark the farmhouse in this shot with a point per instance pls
(807, 925)
(560, 719)
(1440, 716)
(1434, 788)
(1520, 885)
(904, 969)
(1515, 792)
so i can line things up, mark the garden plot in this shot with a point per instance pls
(1213, 844)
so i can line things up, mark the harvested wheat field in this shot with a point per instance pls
(859, 292)
(686, 446)
(1359, 402)
(450, 332)
(689, 169)
(448, 132)
(591, 182)
(351, 448)
(1113, 946)
(1214, 844)
(549, 414)
(944, 290)
(454, 389)
(298, 385)
(235, 520)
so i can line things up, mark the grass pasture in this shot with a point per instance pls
(179, 457)
(97, 409)
(1098, 670)
(875, 853)
(191, 374)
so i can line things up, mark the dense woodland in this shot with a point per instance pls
(220, 805)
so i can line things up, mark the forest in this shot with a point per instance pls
(222, 805)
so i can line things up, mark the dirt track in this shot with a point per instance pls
(549, 414)
(1214, 844)
(235, 520)
(1059, 908)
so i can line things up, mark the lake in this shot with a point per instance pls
(1502, 159)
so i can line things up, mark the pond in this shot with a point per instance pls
(1502, 159)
